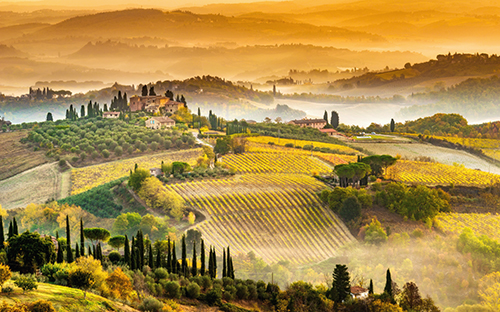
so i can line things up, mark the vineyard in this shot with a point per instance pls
(479, 223)
(83, 179)
(439, 174)
(340, 149)
(277, 216)
(274, 163)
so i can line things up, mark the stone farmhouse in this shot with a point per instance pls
(159, 123)
(310, 123)
(153, 104)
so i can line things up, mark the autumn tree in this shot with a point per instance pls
(410, 297)
(119, 284)
(81, 279)
(5, 274)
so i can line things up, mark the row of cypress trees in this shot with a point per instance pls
(13, 230)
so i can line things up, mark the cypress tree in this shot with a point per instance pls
(174, 261)
(139, 240)
(82, 239)
(194, 263)
(184, 267)
(370, 289)
(229, 264)
(325, 117)
(210, 262)
(90, 252)
(388, 283)
(2, 237)
(69, 252)
(334, 120)
(133, 264)
(169, 257)
(341, 283)
(57, 235)
(224, 269)
(215, 263)
(202, 258)
(159, 261)
(150, 257)
(393, 125)
(11, 230)
(126, 254)
(15, 230)
(94, 252)
(60, 256)
(82, 111)
(77, 251)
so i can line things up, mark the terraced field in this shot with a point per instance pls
(479, 223)
(275, 163)
(277, 216)
(439, 174)
(83, 179)
(341, 149)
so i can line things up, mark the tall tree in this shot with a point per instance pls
(169, 257)
(214, 255)
(77, 251)
(388, 283)
(133, 263)
(229, 264)
(224, 264)
(341, 283)
(11, 231)
(90, 112)
(139, 239)
(370, 289)
(15, 230)
(2, 237)
(60, 255)
(82, 239)
(159, 262)
(325, 117)
(126, 253)
(194, 263)
(393, 125)
(334, 120)
(49, 117)
(202, 258)
(199, 118)
(69, 252)
(144, 91)
(152, 91)
(82, 111)
(184, 265)
(150, 257)
(174, 260)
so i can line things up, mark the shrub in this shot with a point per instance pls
(7, 289)
(150, 304)
(289, 145)
(26, 282)
(105, 153)
(417, 233)
(214, 296)
(173, 290)
(161, 273)
(206, 282)
(229, 293)
(5, 273)
(118, 151)
(193, 291)
(41, 306)
(114, 257)
(351, 209)
(241, 291)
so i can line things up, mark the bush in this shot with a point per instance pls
(229, 293)
(214, 296)
(241, 291)
(105, 153)
(172, 290)
(150, 304)
(206, 282)
(351, 209)
(193, 291)
(114, 257)
(26, 282)
(161, 273)
(7, 289)
(41, 306)
(289, 145)
(118, 151)
(5, 273)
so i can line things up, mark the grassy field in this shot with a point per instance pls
(83, 179)
(16, 157)
(36, 185)
(65, 299)
(340, 149)
(440, 154)
(277, 216)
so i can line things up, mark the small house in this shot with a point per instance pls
(111, 115)
(159, 123)
(358, 292)
(155, 171)
(330, 132)
(309, 123)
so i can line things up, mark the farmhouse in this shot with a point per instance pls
(154, 103)
(359, 292)
(111, 115)
(155, 171)
(330, 132)
(310, 123)
(159, 123)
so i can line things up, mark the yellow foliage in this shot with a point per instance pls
(5, 273)
(489, 290)
(119, 284)
(191, 218)
(157, 196)
(89, 264)
(3, 212)
(5, 307)
(278, 141)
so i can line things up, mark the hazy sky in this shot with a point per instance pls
(123, 3)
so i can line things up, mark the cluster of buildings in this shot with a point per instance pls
(154, 104)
